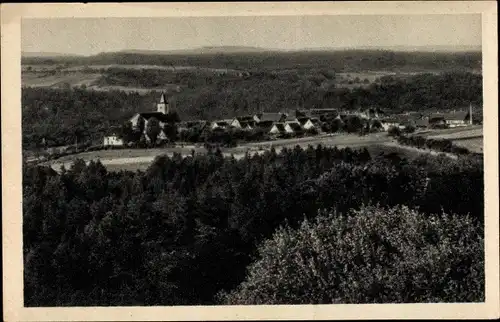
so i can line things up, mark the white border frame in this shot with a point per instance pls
(11, 163)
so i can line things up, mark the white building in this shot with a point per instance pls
(112, 140)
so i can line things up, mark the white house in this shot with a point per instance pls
(221, 124)
(242, 121)
(277, 128)
(293, 128)
(112, 140)
(391, 122)
(309, 123)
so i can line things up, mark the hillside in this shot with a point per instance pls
(255, 58)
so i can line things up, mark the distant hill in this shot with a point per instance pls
(29, 54)
(196, 51)
(248, 50)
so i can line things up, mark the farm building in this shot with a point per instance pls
(242, 121)
(453, 119)
(221, 124)
(265, 126)
(246, 126)
(277, 128)
(309, 123)
(274, 117)
(291, 119)
(293, 128)
(461, 118)
(387, 123)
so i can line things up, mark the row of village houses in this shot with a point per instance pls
(298, 121)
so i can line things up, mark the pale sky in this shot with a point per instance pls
(88, 36)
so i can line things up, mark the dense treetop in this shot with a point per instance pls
(185, 230)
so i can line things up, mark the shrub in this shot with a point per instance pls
(394, 131)
(369, 256)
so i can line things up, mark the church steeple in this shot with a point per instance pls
(162, 106)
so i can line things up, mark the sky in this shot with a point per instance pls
(88, 36)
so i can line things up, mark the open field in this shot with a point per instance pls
(56, 80)
(140, 159)
(456, 133)
(470, 137)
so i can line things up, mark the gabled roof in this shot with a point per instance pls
(280, 126)
(295, 127)
(244, 118)
(221, 123)
(112, 131)
(321, 111)
(266, 125)
(160, 116)
(245, 124)
(290, 118)
(456, 116)
(274, 117)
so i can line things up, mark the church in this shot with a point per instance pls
(162, 114)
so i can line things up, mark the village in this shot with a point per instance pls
(284, 125)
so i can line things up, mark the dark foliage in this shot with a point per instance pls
(442, 145)
(186, 229)
(373, 255)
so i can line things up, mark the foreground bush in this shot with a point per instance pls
(370, 256)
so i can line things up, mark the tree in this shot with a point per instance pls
(353, 124)
(409, 129)
(170, 130)
(394, 131)
(127, 133)
(376, 126)
(153, 129)
(373, 255)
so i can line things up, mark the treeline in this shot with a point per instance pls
(62, 116)
(346, 60)
(442, 145)
(184, 231)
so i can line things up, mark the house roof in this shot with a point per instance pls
(160, 116)
(291, 118)
(113, 130)
(280, 126)
(221, 122)
(295, 126)
(244, 118)
(303, 120)
(274, 117)
(456, 116)
(315, 121)
(245, 124)
(322, 111)
(266, 125)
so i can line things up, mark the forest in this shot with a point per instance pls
(342, 60)
(316, 225)
(63, 116)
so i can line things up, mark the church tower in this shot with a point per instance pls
(163, 107)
